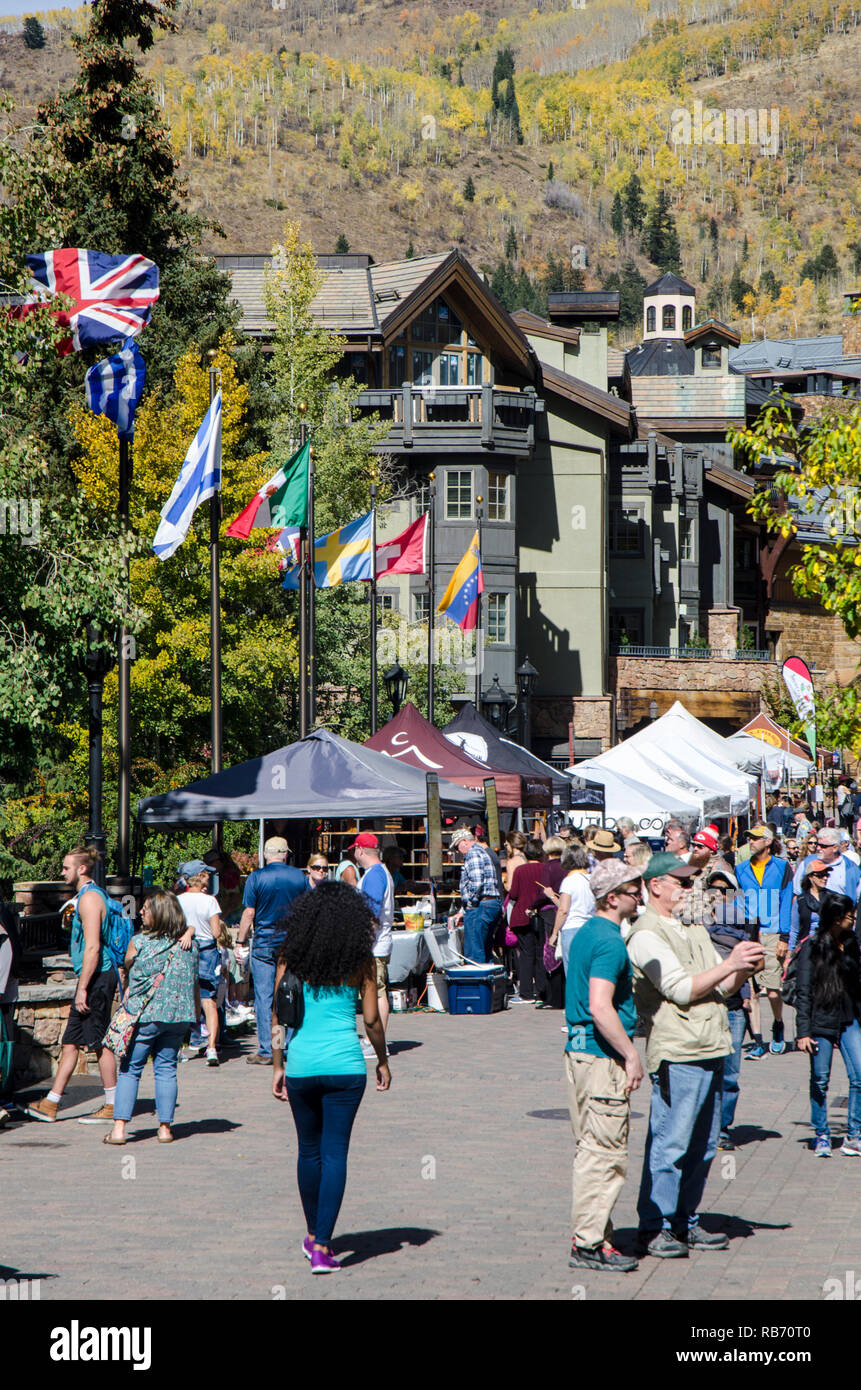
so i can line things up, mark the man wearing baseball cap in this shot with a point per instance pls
(269, 894)
(481, 894)
(601, 1064)
(680, 982)
(766, 881)
(378, 889)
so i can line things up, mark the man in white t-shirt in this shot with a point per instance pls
(378, 889)
(203, 915)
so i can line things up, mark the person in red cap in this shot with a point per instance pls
(704, 858)
(377, 888)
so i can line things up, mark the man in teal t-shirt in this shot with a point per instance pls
(602, 1064)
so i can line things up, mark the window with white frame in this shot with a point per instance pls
(688, 540)
(497, 496)
(496, 621)
(386, 601)
(421, 606)
(458, 494)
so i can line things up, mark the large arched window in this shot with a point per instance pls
(650, 319)
(668, 318)
(687, 318)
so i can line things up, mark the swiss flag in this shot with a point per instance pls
(406, 553)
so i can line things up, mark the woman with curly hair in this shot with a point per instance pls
(328, 947)
(828, 1003)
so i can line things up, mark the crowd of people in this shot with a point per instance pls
(684, 942)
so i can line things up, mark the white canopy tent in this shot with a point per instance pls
(678, 758)
(624, 796)
(751, 754)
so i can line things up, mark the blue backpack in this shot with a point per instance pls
(117, 929)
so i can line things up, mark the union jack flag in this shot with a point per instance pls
(113, 295)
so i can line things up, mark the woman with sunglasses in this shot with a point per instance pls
(808, 905)
(318, 870)
(828, 1001)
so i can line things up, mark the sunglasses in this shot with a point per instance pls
(318, 868)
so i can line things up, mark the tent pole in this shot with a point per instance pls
(260, 845)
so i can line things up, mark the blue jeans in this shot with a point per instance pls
(324, 1108)
(820, 1073)
(479, 929)
(684, 1121)
(732, 1069)
(162, 1041)
(263, 975)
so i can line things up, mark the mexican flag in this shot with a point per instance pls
(283, 501)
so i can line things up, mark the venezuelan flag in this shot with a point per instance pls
(460, 600)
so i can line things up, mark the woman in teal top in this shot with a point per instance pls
(164, 1015)
(329, 947)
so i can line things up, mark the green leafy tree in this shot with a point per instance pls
(34, 34)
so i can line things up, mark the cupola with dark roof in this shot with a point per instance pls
(668, 308)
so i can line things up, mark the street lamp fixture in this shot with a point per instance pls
(526, 679)
(653, 710)
(396, 680)
(495, 704)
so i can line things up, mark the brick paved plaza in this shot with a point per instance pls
(480, 1103)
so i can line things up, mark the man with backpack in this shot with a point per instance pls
(98, 973)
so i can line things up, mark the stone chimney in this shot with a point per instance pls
(723, 629)
(852, 327)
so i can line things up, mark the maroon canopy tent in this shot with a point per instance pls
(411, 739)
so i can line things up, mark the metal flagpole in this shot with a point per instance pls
(303, 606)
(124, 685)
(373, 596)
(312, 587)
(431, 551)
(215, 622)
(479, 501)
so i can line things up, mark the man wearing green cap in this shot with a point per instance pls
(680, 982)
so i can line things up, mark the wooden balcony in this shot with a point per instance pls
(455, 419)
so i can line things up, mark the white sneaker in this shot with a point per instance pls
(211, 1057)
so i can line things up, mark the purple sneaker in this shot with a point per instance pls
(323, 1262)
(307, 1247)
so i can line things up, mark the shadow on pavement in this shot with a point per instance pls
(10, 1272)
(367, 1245)
(401, 1046)
(193, 1127)
(752, 1134)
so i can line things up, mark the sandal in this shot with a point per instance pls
(109, 1139)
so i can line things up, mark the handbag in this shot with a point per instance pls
(121, 1029)
(789, 983)
(7, 1057)
(290, 1001)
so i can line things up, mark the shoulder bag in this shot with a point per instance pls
(121, 1029)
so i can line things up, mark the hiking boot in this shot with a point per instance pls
(603, 1257)
(663, 1245)
(698, 1239)
(43, 1110)
(105, 1115)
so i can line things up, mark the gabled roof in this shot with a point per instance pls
(712, 326)
(668, 284)
(791, 354)
(617, 412)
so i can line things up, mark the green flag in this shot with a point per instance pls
(283, 501)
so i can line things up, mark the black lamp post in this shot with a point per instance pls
(527, 677)
(98, 660)
(495, 705)
(396, 680)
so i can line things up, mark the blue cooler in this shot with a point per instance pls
(473, 988)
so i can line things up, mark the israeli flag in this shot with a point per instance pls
(200, 477)
(114, 387)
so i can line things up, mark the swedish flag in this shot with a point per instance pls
(340, 556)
(460, 600)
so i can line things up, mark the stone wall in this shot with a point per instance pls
(816, 406)
(709, 689)
(852, 335)
(819, 637)
(592, 717)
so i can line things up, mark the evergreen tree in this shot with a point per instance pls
(410, 251)
(768, 284)
(342, 246)
(745, 248)
(469, 190)
(617, 216)
(635, 207)
(713, 232)
(660, 238)
(738, 288)
(511, 245)
(550, 171)
(631, 286)
(502, 91)
(34, 34)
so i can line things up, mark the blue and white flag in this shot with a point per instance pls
(114, 387)
(200, 477)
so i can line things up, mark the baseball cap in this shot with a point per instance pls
(194, 866)
(818, 866)
(725, 872)
(666, 863)
(706, 840)
(276, 845)
(828, 837)
(607, 877)
(760, 832)
(367, 840)
(461, 832)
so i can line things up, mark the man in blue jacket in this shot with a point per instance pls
(766, 882)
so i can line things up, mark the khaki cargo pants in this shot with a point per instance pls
(599, 1111)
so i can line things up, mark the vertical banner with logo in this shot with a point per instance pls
(799, 683)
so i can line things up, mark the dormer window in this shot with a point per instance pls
(668, 317)
(650, 319)
(687, 318)
(711, 359)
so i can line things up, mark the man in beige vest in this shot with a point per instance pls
(679, 984)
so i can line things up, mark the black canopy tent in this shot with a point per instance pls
(322, 775)
(477, 736)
